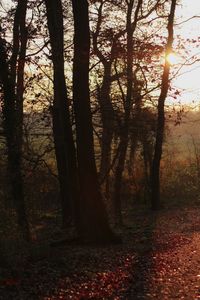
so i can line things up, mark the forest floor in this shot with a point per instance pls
(158, 259)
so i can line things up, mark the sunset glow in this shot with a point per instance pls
(172, 58)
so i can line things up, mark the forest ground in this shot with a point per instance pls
(158, 259)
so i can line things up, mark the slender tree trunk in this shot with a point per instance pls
(94, 219)
(132, 152)
(107, 114)
(17, 63)
(106, 107)
(147, 158)
(13, 145)
(125, 129)
(118, 180)
(62, 130)
(155, 173)
(13, 89)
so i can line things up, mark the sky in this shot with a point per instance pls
(189, 82)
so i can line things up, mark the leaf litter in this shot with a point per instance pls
(158, 259)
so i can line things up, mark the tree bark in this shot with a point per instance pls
(94, 221)
(62, 130)
(155, 173)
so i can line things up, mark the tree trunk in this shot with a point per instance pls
(147, 159)
(155, 173)
(94, 219)
(130, 27)
(107, 114)
(17, 63)
(118, 179)
(106, 107)
(13, 145)
(62, 130)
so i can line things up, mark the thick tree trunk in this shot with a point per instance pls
(94, 219)
(62, 130)
(155, 173)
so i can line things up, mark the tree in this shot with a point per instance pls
(94, 221)
(104, 90)
(12, 81)
(62, 130)
(130, 28)
(155, 173)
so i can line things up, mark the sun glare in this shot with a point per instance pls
(172, 58)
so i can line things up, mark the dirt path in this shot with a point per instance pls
(177, 272)
(159, 259)
(170, 268)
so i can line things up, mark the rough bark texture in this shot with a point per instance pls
(155, 174)
(94, 219)
(62, 130)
